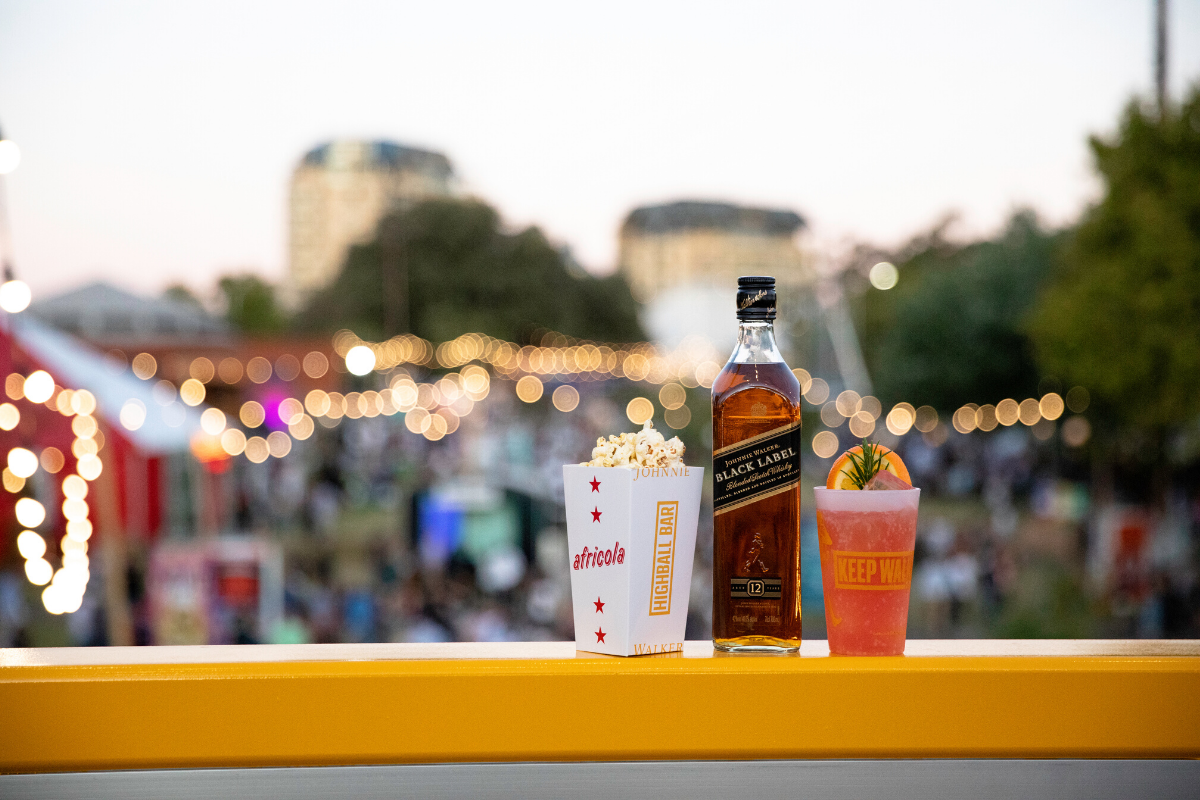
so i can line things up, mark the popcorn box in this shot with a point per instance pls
(632, 536)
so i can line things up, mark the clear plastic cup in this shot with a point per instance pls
(866, 540)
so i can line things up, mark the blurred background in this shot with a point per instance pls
(306, 305)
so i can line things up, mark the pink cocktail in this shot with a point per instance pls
(866, 540)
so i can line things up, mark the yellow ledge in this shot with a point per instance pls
(255, 706)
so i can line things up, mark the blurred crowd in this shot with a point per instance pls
(376, 534)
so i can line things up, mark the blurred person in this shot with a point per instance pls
(14, 613)
(932, 580)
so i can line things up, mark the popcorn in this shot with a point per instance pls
(646, 448)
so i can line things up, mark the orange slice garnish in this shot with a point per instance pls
(839, 473)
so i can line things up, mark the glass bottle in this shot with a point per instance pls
(756, 489)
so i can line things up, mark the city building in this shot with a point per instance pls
(339, 193)
(690, 242)
(683, 259)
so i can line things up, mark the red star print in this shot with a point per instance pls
(595, 484)
(600, 636)
(599, 606)
(596, 514)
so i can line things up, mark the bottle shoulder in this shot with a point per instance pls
(774, 377)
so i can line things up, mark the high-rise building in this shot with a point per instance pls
(689, 243)
(339, 193)
(682, 260)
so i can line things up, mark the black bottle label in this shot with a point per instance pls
(756, 468)
(756, 588)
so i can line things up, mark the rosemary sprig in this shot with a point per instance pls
(863, 466)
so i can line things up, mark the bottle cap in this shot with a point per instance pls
(756, 298)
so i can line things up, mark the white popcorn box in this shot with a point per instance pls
(632, 536)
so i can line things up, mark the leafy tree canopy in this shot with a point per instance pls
(951, 331)
(250, 304)
(182, 294)
(1122, 316)
(447, 267)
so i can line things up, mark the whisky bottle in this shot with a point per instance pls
(756, 486)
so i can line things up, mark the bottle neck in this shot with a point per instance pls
(756, 344)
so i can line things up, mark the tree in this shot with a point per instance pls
(1122, 315)
(952, 329)
(250, 304)
(447, 267)
(182, 294)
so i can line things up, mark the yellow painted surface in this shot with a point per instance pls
(308, 705)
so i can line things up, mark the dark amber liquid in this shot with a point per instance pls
(749, 399)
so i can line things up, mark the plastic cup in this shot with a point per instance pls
(866, 540)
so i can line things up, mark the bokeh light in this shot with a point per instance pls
(417, 420)
(84, 426)
(83, 402)
(1008, 412)
(279, 444)
(252, 414)
(1044, 430)
(133, 414)
(89, 466)
(30, 513)
(985, 418)
(639, 410)
(14, 295)
(230, 370)
(257, 449)
(901, 418)
(1029, 411)
(12, 483)
(315, 364)
(872, 406)
(565, 398)
(818, 392)
(452, 419)
(862, 424)
(287, 367)
(825, 444)
(301, 428)
(848, 403)
(671, 396)
(202, 369)
(22, 462)
(52, 460)
(678, 418)
(30, 544)
(79, 529)
(212, 421)
(39, 387)
(192, 392)
(10, 416)
(1051, 406)
(529, 389)
(74, 509)
(258, 370)
(38, 571)
(831, 416)
(290, 410)
(1076, 431)
(144, 366)
(884, 275)
(360, 360)
(233, 441)
(74, 487)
